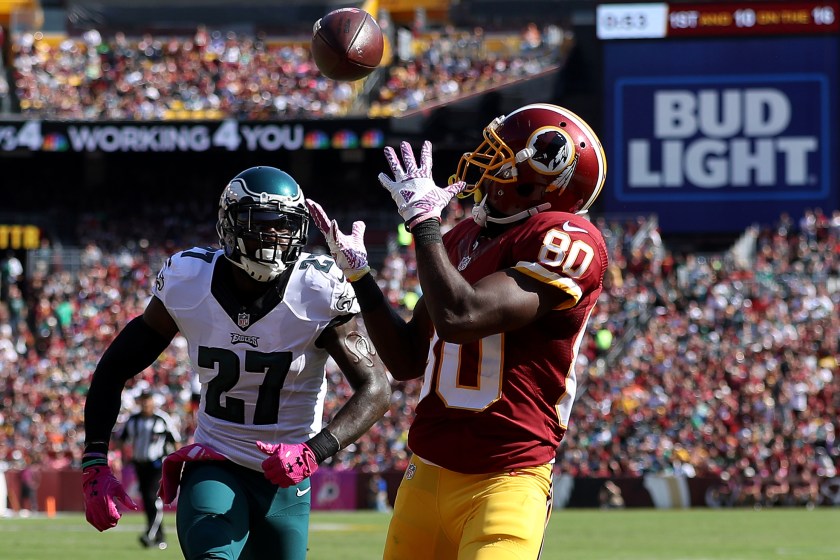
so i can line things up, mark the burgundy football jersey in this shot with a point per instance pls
(503, 402)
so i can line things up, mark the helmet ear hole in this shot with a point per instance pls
(525, 190)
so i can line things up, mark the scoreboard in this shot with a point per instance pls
(635, 21)
(719, 116)
(752, 19)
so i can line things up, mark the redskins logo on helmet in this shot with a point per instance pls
(540, 157)
(553, 150)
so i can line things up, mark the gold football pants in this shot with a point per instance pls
(444, 515)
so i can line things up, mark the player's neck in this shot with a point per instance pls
(492, 229)
(247, 289)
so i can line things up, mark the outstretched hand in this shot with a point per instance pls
(413, 189)
(348, 251)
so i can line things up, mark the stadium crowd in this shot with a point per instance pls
(450, 64)
(208, 75)
(723, 366)
(734, 375)
(215, 74)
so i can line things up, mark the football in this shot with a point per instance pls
(347, 44)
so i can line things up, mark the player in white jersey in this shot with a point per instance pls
(261, 318)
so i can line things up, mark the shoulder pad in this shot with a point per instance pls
(322, 292)
(185, 277)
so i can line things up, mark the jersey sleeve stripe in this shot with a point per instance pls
(544, 275)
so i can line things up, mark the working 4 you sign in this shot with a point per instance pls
(204, 136)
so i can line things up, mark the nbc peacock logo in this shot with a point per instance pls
(345, 139)
(373, 138)
(316, 140)
(55, 142)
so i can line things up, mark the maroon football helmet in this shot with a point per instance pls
(540, 157)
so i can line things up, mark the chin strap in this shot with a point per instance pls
(482, 216)
(261, 272)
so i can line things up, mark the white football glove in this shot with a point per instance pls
(413, 189)
(348, 251)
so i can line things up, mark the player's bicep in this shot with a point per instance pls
(510, 299)
(554, 269)
(572, 262)
(158, 319)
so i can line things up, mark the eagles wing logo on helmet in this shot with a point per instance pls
(553, 150)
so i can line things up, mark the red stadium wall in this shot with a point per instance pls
(331, 489)
(65, 486)
(349, 490)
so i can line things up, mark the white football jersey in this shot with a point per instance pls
(262, 378)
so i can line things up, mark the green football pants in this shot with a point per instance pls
(226, 511)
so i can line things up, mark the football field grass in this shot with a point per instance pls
(697, 534)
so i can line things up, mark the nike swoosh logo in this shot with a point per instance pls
(570, 228)
(303, 492)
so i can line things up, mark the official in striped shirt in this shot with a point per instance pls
(148, 437)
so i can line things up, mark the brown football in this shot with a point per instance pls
(347, 44)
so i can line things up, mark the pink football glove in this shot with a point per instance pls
(288, 463)
(413, 189)
(348, 251)
(174, 463)
(102, 492)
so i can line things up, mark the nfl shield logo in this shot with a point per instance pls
(243, 320)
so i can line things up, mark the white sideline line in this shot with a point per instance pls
(343, 527)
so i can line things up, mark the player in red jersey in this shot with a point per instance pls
(506, 299)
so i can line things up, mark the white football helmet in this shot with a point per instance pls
(263, 222)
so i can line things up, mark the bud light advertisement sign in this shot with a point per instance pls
(719, 134)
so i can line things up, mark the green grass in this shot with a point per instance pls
(698, 534)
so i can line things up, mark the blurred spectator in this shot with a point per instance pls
(11, 270)
(531, 38)
(29, 489)
(5, 100)
(378, 494)
(609, 497)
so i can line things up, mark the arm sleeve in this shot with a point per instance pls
(133, 350)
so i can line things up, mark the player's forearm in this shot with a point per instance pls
(362, 410)
(133, 350)
(101, 409)
(392, 337)
(449, 297)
